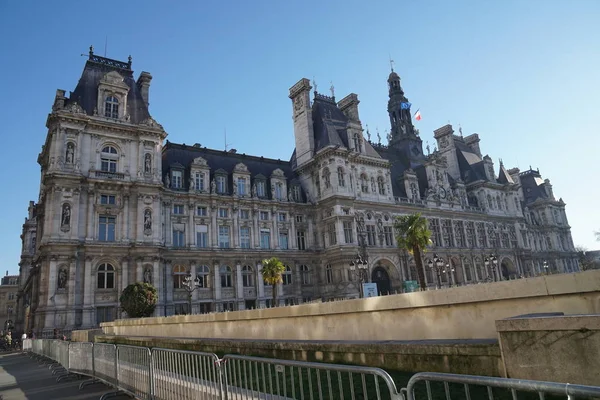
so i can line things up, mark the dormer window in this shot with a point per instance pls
(260, 188)
(177, 179)
(279, 191)
(111, 107)
(357, 143)
(221, 184)
(241, 186)
(109, 159)
(199, 181)
(296, 192)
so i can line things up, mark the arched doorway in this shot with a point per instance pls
(382, 279)
(507, 269)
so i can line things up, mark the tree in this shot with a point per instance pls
(138, 300)
(586, 260)
(413, 236)
(272, 269)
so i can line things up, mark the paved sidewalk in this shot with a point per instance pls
(22, 378)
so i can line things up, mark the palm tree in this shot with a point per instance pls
(413, 236)
(272, 269)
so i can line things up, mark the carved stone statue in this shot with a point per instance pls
(235, 189)
(192, 184)
(254, 192)
(62, 278)
(290, 195)
(147, 221)
(147, 163)
(66, 215)
(70, 153)
(213, 186)
(148, 275)
(167, 181)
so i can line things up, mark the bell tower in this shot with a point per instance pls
(403, 135)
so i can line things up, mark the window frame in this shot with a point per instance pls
(179, 274)
(111, 106)
(105, 270)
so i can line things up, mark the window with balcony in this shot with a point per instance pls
(106, 228)
(109, 158)
(283, 241)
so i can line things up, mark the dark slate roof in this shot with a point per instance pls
(184, 155)
(504, 176)
(86, 92)
(533, 185)
(472, 167)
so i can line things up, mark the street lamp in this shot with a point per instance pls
(545, 265)
(493, 261)
(438, 264)
(360, 266)
(451, 271)
(190, 285)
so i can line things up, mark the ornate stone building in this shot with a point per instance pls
(118, 205)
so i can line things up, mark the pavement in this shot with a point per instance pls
(23, 378)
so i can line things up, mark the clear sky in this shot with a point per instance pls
(522, 74)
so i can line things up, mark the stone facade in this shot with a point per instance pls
(118, 204)
(8, 301)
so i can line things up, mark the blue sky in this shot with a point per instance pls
(522, 74)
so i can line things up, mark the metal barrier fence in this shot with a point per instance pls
(163, 374)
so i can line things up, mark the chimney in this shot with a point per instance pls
(143, 83)
(473, 142)
(349, 106)
(59, 100)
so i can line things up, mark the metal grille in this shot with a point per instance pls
(254, 377)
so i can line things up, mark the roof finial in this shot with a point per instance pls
(368, 133)
(129, 61)
(460, 130)
(314, 82)
(428, 149)
(332, 90)
(391, 64)
(378, 135)
(91, 51)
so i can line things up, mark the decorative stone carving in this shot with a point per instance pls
(148, 222)
(75, 108)
(148, 275)
(62, 278)
(65, 220)
(147, 163)
(70, 153)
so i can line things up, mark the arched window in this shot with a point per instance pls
(111, 107)
(287, 276)
(225, 273)
(341, 180)
(381, 185)
(489, 199)
(305, 275)
(203, 274)
(179, 274)
(364, 183)
(373, 187)
(106, 276)
(327, 178)
(357, 143)
(329, 274)
(247, 276)
(109, 159)
(499, 202)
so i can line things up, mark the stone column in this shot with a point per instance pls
(191, 227)
(139, 273)
(168, 228)
(256, 229)
(90, 215)
(88, 294)
(125, 231)
(140, 158)
(195, 292)
(139, 226)
(156, 281)
(217, 280)
(261, 286)
(235, 234)
(292, 242)
(214, 228)
(239, 285)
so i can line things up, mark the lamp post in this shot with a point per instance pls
(360, 267)
(438, 264)
(449, 269)
(545, 265)
(190, 285)
(492, 261)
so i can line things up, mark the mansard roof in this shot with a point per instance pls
(533, 185)
(86, 92)
(472, 167)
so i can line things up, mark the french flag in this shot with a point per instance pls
(418, 115)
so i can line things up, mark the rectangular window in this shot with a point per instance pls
(283, 240)
(260, 188)
(11, 295)
(332, 234)
(250, 304)
(505, 240)
(436, 234)
(348, 238)
(177, 179)
(265, 239)
(178, 238)
(178, 209)
(264, 215)
(105, 314)
(223, 213)
(106, 228)
(181, 308)
(481, 238)
(279, 191)
(229, 306)
(221, 184)
(370, 235)
(224, 237)
(299, 218)
(296, 193)
(245, 237)
(281, 217)
(300, 238)
(514, 243)
(241, 186)
(388, 235)
(244, 214)
(199, 181)
(447, 233)
(108, 199)
(201, 211)
(108, 165)
(202, 236)
(460, 233)
(205, 308)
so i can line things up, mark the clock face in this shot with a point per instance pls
(442, 193)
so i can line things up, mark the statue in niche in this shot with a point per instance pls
(70, 156)
(290, 195)
(167, 181)
(148, 275)
(213, 186)
(254, 191)
(66, 215)
(191, 183)
(148, 222)
(62, 278)
(235, 189)
(147, 163)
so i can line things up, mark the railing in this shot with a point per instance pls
(109, 175)
(162, 374)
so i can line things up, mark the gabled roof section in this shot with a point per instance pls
(504, 176)
(86, 92)
(329, 123)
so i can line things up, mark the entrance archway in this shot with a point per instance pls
(382, 279)
(507, 269)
